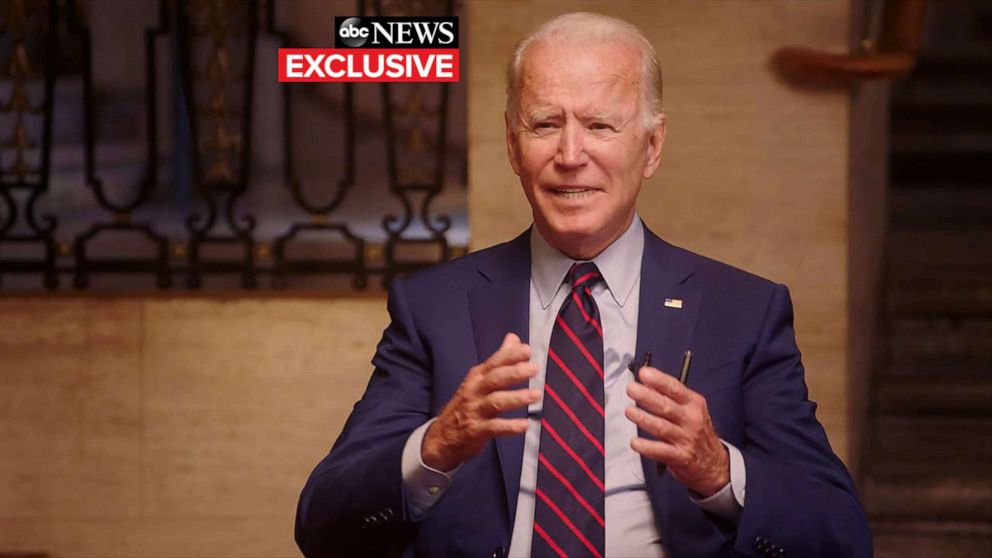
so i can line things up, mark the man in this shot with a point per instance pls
(513, 410)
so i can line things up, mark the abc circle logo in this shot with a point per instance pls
(352, 33)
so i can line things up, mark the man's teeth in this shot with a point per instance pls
(571, 191)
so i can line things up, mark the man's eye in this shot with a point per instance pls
(600, 126)
(544, 125)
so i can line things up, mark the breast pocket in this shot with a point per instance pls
(711, 380)
(721, 386)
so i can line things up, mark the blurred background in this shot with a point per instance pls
(194, 257)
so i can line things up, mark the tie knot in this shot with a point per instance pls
(585, 273)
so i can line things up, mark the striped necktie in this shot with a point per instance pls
(568, 514)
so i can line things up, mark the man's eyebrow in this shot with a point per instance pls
(541, 114)
(608, 116)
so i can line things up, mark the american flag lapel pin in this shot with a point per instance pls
(673, 303)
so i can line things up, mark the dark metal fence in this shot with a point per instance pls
(193, 206)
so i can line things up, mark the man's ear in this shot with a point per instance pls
(656, 140)
(511, 143)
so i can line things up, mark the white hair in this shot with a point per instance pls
(587, 27)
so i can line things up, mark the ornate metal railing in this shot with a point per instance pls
(193, 206)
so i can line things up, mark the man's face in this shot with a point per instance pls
(579, 144)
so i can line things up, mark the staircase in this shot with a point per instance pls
(928, 465)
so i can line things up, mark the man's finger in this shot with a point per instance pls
(506, 376)
(656, 403)
(659, 451)
(510, 352)
(665, 384)
(506, 427)
(662, 429)
(502, 401)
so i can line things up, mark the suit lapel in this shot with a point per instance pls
(662, 327)
(665, 330)
(500, 306)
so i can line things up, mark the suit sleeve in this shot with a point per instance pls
(800, 497)
(353, 502)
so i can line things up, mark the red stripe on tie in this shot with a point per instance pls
(571, 376)
(551, 468)
(571, 526)
(547, 538)
(589, 319)
(574, 418)
(585, 278)
(564, 445)
(582, 348)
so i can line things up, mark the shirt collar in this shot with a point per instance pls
(620, 264)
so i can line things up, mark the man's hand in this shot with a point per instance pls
(471, 418)
(686, 441)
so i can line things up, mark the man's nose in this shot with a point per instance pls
(571, 147)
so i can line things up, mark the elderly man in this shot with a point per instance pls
(585, 389)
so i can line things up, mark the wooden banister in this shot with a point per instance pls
(889, 56)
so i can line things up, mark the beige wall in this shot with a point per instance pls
(753, 173)
(186, 427)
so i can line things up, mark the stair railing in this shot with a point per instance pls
(888, 49)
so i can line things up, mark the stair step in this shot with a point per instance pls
(913, 141)
(923, 445)
(959, 295)
(964, 341)
(962, 169)
(936, 270)
(965, 498)
(961, 394)
(966, 209)
(961, 66)
(942, 109)
(935, 370)
(929, 539)
(940, 248)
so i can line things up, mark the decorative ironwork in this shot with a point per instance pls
(219, 96)
(32, 31)
(201, 54)
(416, 128)
(320, 213)
(85, 264)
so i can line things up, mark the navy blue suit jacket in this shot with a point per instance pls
(448, 318)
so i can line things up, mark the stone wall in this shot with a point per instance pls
(171, 427)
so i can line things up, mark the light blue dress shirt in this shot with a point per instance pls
(630, 526)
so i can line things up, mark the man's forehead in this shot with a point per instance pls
(597, 82)
(555, 63)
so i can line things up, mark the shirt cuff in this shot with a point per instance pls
(728, 502)
(423, 485)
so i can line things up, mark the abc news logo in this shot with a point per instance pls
(379, 49)
(396, 32)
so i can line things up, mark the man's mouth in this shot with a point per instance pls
(572, 192)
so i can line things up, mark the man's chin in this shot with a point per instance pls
(580, 243)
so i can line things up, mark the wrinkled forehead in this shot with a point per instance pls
(601, 73)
